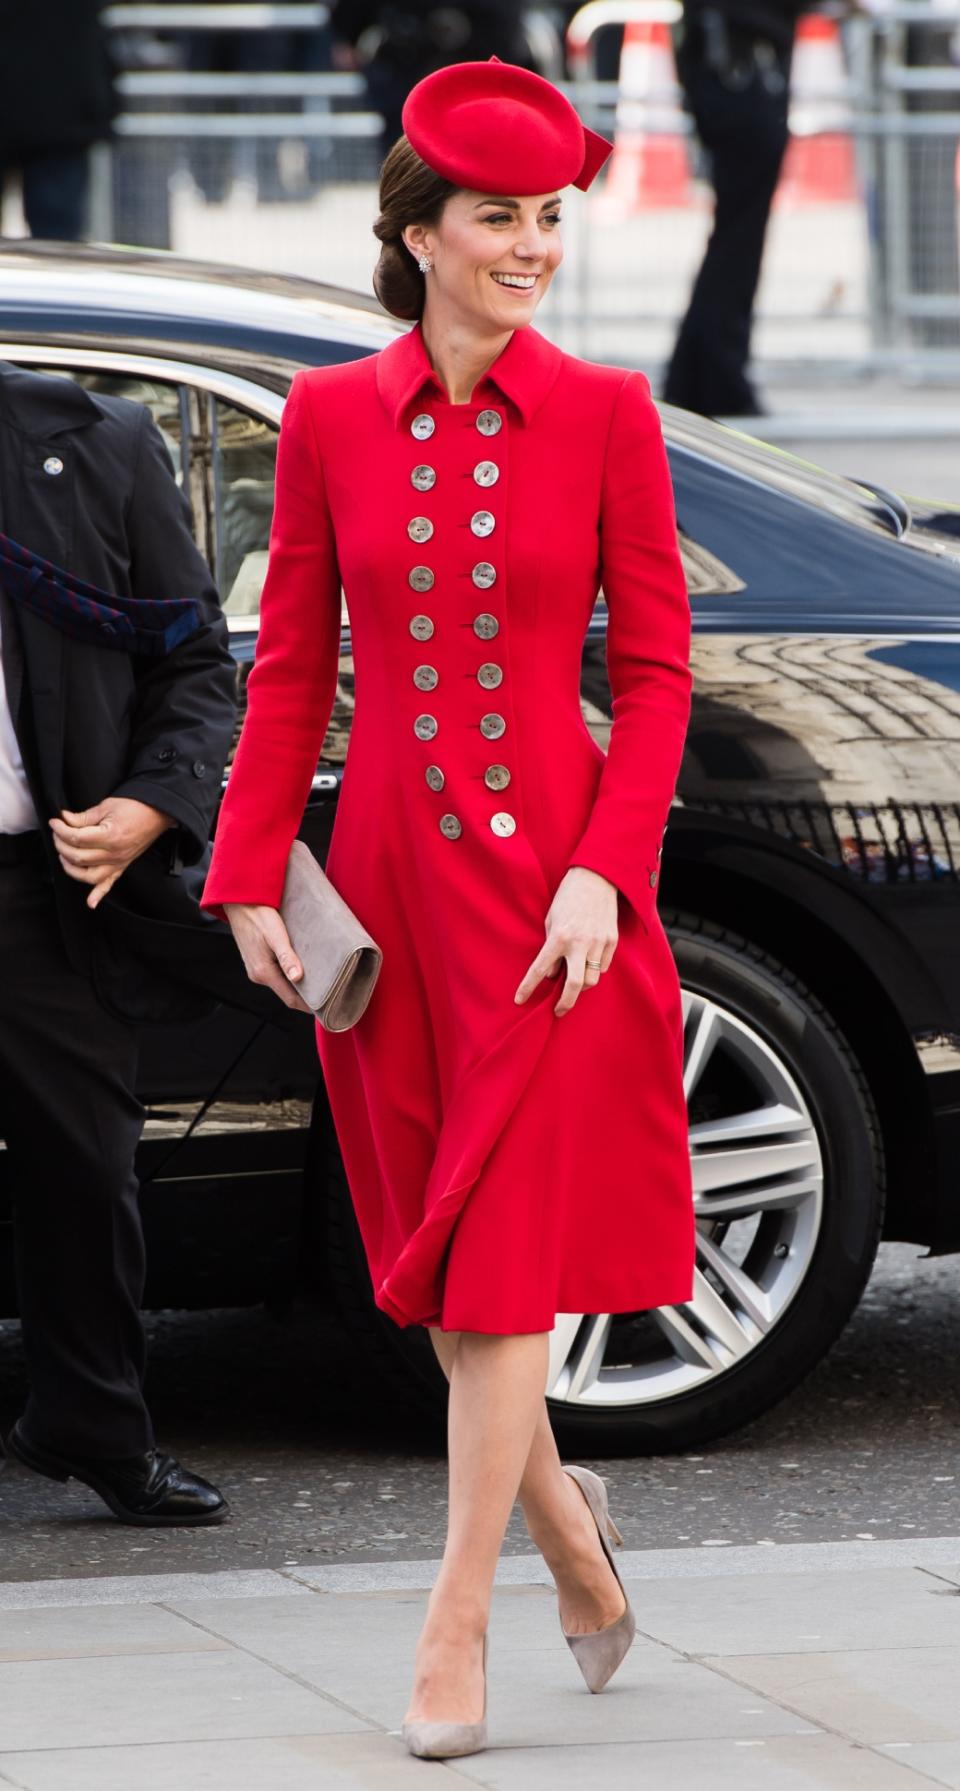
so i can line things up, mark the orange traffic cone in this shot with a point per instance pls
(649, 166)
(819, 166)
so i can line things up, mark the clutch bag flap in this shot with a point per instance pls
(340, 961)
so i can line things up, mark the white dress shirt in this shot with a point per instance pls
(17, 813)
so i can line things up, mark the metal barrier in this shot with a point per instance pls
(903, 61)
(876, 279)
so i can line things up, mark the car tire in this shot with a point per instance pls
(763, 1002)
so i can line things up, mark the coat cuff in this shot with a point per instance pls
(253, 888)
(638, 883)
(192, 825)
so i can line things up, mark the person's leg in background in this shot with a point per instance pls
(56, 194)
(745, 133)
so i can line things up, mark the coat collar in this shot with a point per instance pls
(524, 372)
(38, 405)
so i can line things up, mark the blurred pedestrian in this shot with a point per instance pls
(733, 60)
(116, 711)
(58, 100)
(510, 1107)
(398, 42)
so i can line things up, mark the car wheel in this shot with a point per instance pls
(788, 1189)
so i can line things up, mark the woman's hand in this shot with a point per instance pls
(264, 946)
(581, 931)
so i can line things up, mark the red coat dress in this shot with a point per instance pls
(506, 1165)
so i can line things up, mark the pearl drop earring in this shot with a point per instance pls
(424, 264)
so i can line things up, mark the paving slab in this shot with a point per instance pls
(97, 1702)
(791, 1613)
(102, 1630)
(940, 1760)
(282, 1763)
(314, 1636)
(536, 1692)
(877, 1696)
(781, 1763)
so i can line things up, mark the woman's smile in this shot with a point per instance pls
(520, 282)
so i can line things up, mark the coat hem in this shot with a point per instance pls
(523, 1326)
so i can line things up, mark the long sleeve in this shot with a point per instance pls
(293, 682)
(648, 644)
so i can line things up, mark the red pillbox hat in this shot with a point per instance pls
(496, 128)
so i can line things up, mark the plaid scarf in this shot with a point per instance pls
(125, 624)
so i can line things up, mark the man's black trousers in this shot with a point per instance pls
(745, 134)
(71, 1123)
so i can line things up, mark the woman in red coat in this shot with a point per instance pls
(510, 1107)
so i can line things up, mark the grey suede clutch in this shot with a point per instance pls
(340, 961)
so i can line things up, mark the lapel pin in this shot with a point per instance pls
(53, 465)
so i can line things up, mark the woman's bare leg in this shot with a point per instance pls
(496, 1393)
(558, 1522)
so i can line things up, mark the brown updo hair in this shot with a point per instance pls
(410, 193)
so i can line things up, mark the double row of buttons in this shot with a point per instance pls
(485, 626)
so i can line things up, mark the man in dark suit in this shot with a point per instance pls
(116, 712)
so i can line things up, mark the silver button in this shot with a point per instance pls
(421, 628)
(53, 465)
(425, 727)
(450, 827)
(492, 726)
(490, 676)
(489, 422)
(486, 472)
(483, 522)
(496, 777)
(435, 777)
(426, 677)
(653, 879)
(485, 626)
(421, 578)
(503, 824)
(423, 478)
(420, 528)
(484, 575)
(422, 427)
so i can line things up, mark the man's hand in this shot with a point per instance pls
(96, 846)
(264, 945)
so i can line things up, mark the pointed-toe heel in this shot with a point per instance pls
(598, 1655)
(448, 1741)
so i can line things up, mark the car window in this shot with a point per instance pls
(243, 459)
(243, 465)
(167, 405)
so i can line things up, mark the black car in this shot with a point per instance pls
(811, 878)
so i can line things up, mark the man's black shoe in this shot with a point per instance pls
(143, 1489)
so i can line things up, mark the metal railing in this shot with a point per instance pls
(899, 103)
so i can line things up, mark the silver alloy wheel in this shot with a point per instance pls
(758, 1197)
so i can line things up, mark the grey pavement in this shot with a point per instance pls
(807, 1667)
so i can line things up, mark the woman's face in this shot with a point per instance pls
(493, 258)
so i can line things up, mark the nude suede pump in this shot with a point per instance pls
(599, 1655)
(448, 1741)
